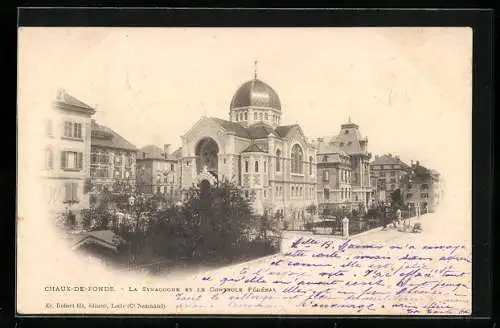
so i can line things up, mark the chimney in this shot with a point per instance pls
(166, 149)
(320, 139)
(418, 163)
(397, 157)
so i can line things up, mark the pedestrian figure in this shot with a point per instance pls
(398, 216)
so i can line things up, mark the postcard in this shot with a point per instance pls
(226, 171)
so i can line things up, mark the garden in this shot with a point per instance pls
(214, 225)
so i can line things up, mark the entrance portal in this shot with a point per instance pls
(207, 156)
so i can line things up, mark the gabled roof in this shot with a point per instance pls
(238, 129)
(388, 160)
(66, 100)
(253, 148)
(103, 136)
(155, 152)
(105, 238)
(259, 131)
(284, 130)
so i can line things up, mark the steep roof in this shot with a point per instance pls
(350, 140)
(330, 148)
(238, 129)
(388, 160)
(259, 131)
(155, 152)
(66, 100)
(103, 136)
(284, 130)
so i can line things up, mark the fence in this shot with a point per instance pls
(357, 225)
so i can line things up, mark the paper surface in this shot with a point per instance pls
(409, 89)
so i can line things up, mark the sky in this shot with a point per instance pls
(409, 89)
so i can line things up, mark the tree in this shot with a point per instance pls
(312, 209)
(214, 219)
(397, 199)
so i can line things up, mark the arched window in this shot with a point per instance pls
(296, 159)
(256, 166)
(278, 160)
(245, 116)
(246, 166)
(325, 175)
(310, 165)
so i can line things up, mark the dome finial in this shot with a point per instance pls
(255, 70)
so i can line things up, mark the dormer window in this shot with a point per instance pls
(346, 132)
(341, 144)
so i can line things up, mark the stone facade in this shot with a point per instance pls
(343, 170)
(387, 174)
(422, 187)
(274, 164)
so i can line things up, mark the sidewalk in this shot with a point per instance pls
(436, 227)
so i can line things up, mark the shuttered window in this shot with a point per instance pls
(71, 192)
(71, 160)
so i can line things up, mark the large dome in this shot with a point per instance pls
(256, 93)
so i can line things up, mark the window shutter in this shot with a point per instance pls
(63, 160)
(79, 164)
(49, 158)
(67, 192)
(74, 191)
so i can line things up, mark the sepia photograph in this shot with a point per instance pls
(272, 171)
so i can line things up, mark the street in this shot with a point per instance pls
(439, 227)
